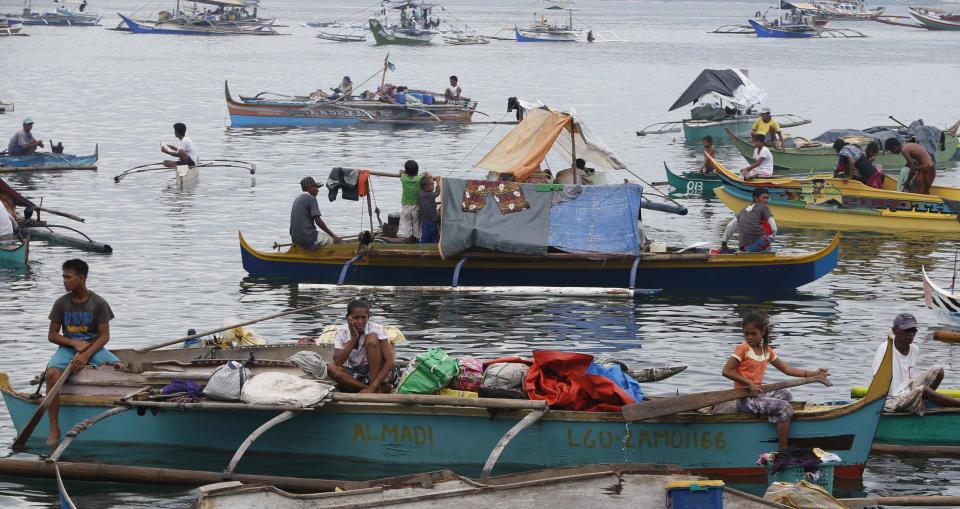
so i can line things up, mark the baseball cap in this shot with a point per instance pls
(765, 110)
(27, 120)
(905, 321)
(306, 182)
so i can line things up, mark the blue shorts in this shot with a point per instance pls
(429, 232)
(65, 354)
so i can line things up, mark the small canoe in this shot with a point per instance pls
(821, 201)
(823, 158)
(693, 183)
(14, 254)
(46, 161)
(594, 486)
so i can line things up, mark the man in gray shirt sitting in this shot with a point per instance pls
(23, 143)
(304, 214)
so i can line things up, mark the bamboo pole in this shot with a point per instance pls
(947, 335)
(243, 324)
(342, 397)
(908, 500)
(105, 472)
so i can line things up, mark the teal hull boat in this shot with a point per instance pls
(695, 130)
(410, 433)
(693, 183)
(15, 255)
(933, 432)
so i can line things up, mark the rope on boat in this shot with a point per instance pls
(456, 166)
(212, 163)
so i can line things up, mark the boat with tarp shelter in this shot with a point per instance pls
(230, 17)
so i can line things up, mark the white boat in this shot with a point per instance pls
(545, 29)
(946, 301)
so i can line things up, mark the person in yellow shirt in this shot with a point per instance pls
(769, 128)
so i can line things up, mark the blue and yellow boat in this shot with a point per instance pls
(422, 265)
(409, 433)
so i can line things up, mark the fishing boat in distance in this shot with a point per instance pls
(817, 154)
(722, 99)
(384, 106)
(229, 17)
(48, 161)
(802, 30)
(414, 26)
(8, 30)
(936, 19)
(6, 107)
(559, 28)
(408, 432)
(822, 201)
(64, 15)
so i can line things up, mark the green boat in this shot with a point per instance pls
(14, 254)
(934, 432)
(822, 158)
(693, 183)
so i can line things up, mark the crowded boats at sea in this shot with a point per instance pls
(398, 276)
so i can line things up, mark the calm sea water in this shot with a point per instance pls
(176, 263)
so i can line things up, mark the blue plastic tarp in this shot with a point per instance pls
(602, 219)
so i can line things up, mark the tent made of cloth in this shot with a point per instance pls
(542, 129)
(731, 84)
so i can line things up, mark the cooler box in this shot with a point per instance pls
(703, 494)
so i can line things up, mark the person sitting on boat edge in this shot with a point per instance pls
(767, 126)
(908, 391)
(452, 93)
(755, 224)
(852, 163)
(304, 213)
(363, 357)
(567, 177)
(922, 167)
(746, 366)
(762, 165)
(80, 327)
(427, 210)
(707, 166)
(409, 228)
(23, 143)
(185, 153)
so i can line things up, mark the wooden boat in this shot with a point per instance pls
(802, 31)
(462, 39)
(6, 30)
(302, 112)
(819, 158)
(421, 265)
(693, 183)
(48, 161)
(15, 254)
(411, 432)
(821, 201)
(187, 175)
(336, 37)
(61, 17)
(6, 107)
(935, 19)
(400, 36)
(37, 229)
(722, 99)
(636, 485)
(197, 27)
(940, 299)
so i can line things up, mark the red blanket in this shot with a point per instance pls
(560, 379)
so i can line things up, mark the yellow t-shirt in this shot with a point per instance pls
(764, 128)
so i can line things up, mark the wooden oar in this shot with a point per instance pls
(21, 440)
(669, 406)
(242, 324)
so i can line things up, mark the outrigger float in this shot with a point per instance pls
(187, 175)
(48, 161)
(822, 201)
(404, 432)
(37, 229)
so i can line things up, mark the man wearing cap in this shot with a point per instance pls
(23, 143)
(909, 390)
(768, 127)
(304, 214)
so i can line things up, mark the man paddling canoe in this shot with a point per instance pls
(23, 143)
(910, 391)
(80, 326)
(185, 153)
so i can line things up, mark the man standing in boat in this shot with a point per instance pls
(909, 390)
(80, 326)
(304, 214)
(23, 142)
(185, 153)
(769, 128)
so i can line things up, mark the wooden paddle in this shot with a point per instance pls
(242, 324)
(21, 441)
(669, 406)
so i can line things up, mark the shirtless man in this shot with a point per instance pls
(922, 167)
